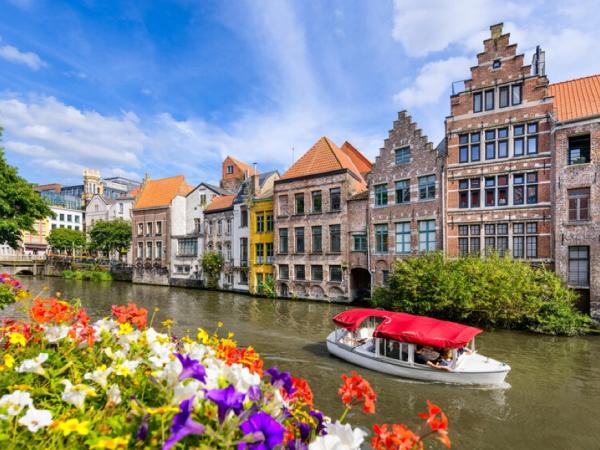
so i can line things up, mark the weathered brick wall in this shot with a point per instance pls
(151, 272)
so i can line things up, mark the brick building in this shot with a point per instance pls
(405, 201)
(576, 143)
(310, 203)
(233, 173)
(151, 219)
(499, 159)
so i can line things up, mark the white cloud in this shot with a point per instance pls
(23, 148)
(13, 54)
(433, 82)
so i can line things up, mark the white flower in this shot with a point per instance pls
(242, 378)
(169, 373)
(105, 325)
(197, 351)
(186, 389)
(56, 333)
(162, 354)
(100, 375)
(114, 394)
(34, 419)
(129, 338)
(118, 355)
(14, 403)
(75, 394)
(127, 367)
(339, 437)
(34, 365)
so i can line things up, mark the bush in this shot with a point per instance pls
(212, 263)
(87, 275)
(493, 291)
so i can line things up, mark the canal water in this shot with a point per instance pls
(552, 400)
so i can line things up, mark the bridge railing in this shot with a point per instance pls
(22, 258)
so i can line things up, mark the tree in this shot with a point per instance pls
(111, 236)
(65, 239)
(20, 205)
(212, 263)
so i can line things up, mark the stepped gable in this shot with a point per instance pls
(160, 193)
(576, 99)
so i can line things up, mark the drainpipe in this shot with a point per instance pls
(369, 244)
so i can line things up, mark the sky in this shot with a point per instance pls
(172, 87)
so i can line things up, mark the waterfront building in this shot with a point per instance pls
(241, 236)
(187, 234)
(262, 220)
(151, 222)
(576, 200)
(218, 217)
(310, 202)
(405, 200)
(499, 158)
(233, 173)
(35, 243)
(66, 218)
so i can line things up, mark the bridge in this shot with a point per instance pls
(22, 264)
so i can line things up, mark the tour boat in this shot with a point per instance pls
(387, 342)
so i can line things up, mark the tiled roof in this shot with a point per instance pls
(323, 157)
(220, 202)
(361, 162)
(157, 193)
(243, 166)
(576, 99)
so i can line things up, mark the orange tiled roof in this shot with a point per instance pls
(322, 157)
(361, 162)
(576, 99)
(156, 193)
(220, 202)
(243, 166)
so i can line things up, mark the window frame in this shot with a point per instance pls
(400, 155)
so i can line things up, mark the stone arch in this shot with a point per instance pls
(335, 293)
(284, 290)
(317, 292)
(299, 290)
(24, 272)
(360, 284)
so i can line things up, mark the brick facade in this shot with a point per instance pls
(150, 245)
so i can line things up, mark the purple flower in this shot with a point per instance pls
(142, 432)
(226, 399)
(254, 393)
(191, 368)
(183, 424)
(266, 432)
(320, 428)
(281, 380)
(305, 430)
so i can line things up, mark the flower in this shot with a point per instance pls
(183, 425)
(114, 394)
(112, 443)
(355, 390)
(100, 375)
(281, 380)
(302, 392)
(266, 433)
(34, 419)
(34, 365)
(9, 360)
(191, 368)
(438, 422)
(14, 403)
(131, 314)
(51, 310)
(142, 431)
(74, 426)
(227, 400)
(75, 394)
(398, 438)
(16, 338)
(56, 333)
(339, 437)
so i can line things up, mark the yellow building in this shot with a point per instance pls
(35, 242)
(261, 243)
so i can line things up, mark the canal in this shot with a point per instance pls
(552, 401)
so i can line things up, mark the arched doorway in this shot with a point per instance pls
(360, 284)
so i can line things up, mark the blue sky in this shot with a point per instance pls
(172, 87)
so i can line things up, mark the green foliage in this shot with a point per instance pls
(7, 296)
(491, 292)
(87, 275)
(111, 236)
(267, 287)
(65, 239)
(212, 263)
(20, 205)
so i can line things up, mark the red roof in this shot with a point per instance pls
(576, 99)
(361, 162)
(220, 202)
(409, 328)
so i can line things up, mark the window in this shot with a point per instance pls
(317, 239)
(230, 169)
(335, 243)
(283, 205)
(299, 240)
(579, 204)
(203, 200)
(69, 227)
(243, 217)
(284, 271)
(140, 250)
(469, 193)
(403, 191)
(489, 99)
(149, 229)
(403, 238)
(519, 140)
(120, 211)
(335, 199)
(198, 225)
(316, 202)
(76, 218)
(269, 252)
(427, 235)
(579, 265)
(269, 218)
(496, 238)
(469, 147)
(385, 276)
(381, 238)
(283, 240)
(579, 150)
(299, 203)
(503, 96)
(243, 277)
(359, 243)
(220, 227)
(517, 93)
(496, 140)
(477, 102)
(259, 253)
(62, 217)
(496, 64)
(469, 241)
(299, 273)
(335, 273)
(140, 229)
(76, 227)
(402, 155)
(532, 138)
(525, 240)
(159, 228)
(228, 229)
(316, 273)
(186, 247)
(149, 250)
(244, 252)
(525, 187)
(260, 223)
(427, 187)
(381, 195)
(159, 254)
(69, 218)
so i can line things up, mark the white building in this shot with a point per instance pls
(241, 238)
(66, 218)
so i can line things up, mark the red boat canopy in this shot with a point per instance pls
(409, 328)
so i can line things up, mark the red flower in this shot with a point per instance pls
(438, 422)
(356, 390)
(247, 357)
(131, 314)
(81, 330)
(51, 310)
(397, 438)
(302, 392)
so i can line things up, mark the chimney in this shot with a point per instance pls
(496, 30)
(538, 62)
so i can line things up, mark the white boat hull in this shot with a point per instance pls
(472, 369)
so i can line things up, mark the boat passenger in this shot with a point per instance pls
(425, 354)
(444, 362)
(462, 350)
